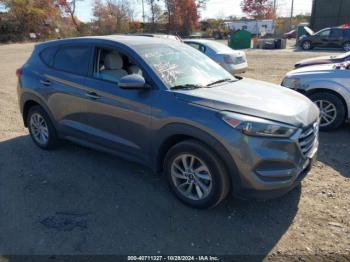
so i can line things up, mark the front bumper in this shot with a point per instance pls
(270, 167)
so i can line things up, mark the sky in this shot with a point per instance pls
(214, 9)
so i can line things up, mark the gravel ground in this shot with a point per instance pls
(78, 201)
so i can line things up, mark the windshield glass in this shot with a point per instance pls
(180, 64)
(218, 47)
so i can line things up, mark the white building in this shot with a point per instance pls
(261, 27)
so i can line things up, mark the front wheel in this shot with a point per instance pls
(196, 175)
(331, 108)
(306, 45)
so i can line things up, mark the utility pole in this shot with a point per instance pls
(143, 12)
(274, 6)
(291, 14)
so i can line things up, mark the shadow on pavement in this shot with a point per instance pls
(335, 150)
(78, 201)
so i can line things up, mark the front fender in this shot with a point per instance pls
(332, 86)
(182, 129)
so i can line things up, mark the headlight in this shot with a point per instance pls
(254, 126)
(293, 83)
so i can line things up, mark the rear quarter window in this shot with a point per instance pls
(48, 54)
(73, 59)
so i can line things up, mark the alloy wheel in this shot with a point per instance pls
(347, 47)
(307, 45)
(191, 176)
(39, 129)
(328, 112)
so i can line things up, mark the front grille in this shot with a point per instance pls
(308, 138)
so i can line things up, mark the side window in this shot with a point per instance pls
(336, 33)
(324, 33)
(347, 33)
(198, 46)
(112, 65)
(73, 59)
(47, 55)
(194, 45)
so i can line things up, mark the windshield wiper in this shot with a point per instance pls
(186, 87)
(221, 81)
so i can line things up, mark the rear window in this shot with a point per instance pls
(47, 55)
(73, 59)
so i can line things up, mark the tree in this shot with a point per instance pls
(28, 16)
(258, 9)
(68, 7)
(111, 16)
(155, 13)
(182, 16)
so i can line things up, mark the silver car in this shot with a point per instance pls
(328, 86)
(232, 60)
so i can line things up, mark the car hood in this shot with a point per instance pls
(314, 69)
(315, 61)
(255, 98)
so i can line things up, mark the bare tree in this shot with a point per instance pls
(69, 7)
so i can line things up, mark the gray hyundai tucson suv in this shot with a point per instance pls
(168, 106)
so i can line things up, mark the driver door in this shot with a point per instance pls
(119, 119)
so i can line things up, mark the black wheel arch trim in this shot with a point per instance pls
(28, 97)
(180, 132)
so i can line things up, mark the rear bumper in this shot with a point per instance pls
(236, 69)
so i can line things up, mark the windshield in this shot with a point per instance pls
(179, 65)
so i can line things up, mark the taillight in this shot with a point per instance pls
(18, 72)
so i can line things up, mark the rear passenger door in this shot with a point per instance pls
(336, 37)
(64, 79)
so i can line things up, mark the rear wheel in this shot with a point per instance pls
(41, 128)
(331, 108)
(346, 46)
(196, 175)
(306, 45)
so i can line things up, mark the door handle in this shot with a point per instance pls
(93, 95)
(45, 82)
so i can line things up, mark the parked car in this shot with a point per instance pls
(164, 36)
(328, 86)
(233, 61)
(333, 59)
(163, 104)
(291, 34)
(334, 37)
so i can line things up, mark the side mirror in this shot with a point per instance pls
(134, 81)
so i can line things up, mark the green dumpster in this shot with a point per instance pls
(301, 30)
(240, 39)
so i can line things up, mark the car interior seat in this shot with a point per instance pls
(113, 67)
(134, 69)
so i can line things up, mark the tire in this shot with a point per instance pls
(346, 46)
(336, 110)
(37, 114)
(306, 45)
(218, 186)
